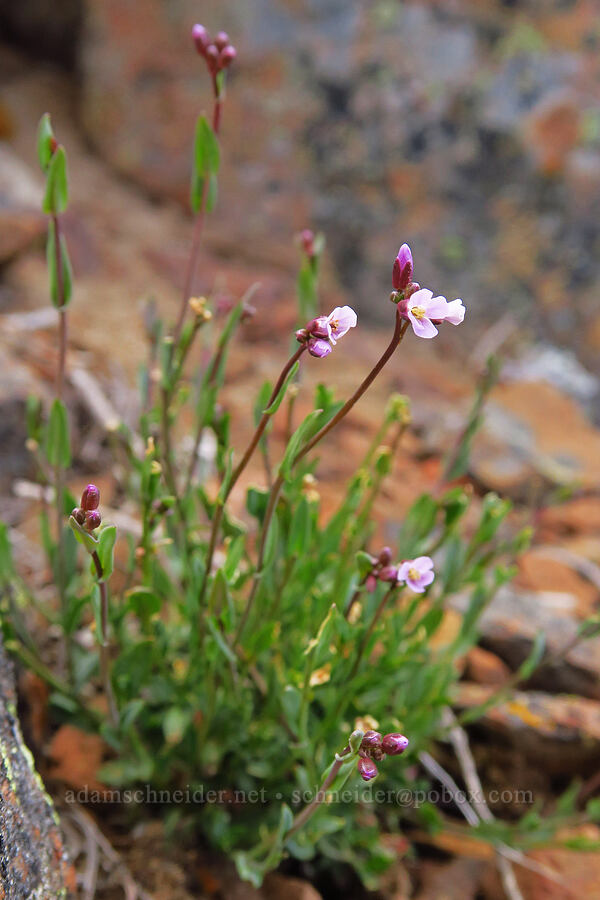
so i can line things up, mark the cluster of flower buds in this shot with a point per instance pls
(199, 307)
(417, 573)
(322, 334)
(87, 514)
(418, 305)
(374, 748)
(307, 242)
(218, 52)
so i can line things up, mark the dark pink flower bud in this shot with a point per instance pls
(319, 327)
(385, 556)
(221, 40)
(92, 520)
(302, 335)
(371, 739)
(211, 55)
(403, 268)
(227, 56)
(307, 239)
(319, 347)
(79, 515)
(370, 583)
(201, 38)
(90, 498)
(394, 744)
(389, 574)
(367, 768)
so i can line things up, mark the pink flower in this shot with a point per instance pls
(319, 347)
(422, 309)
(403, 268)
(341, 320)
(417, 573)
(324, 332)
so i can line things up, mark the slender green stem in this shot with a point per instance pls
(104, 643)
(365, 640)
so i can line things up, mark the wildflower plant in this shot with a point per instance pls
(270, 658)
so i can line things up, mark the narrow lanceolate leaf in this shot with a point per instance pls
(60, 290)
(303, 433)
(45, 141)
(205, 167)
(6, 560)
(203, 193)
(106, 547)
(58, 446)
(57, 193)
(206, 149)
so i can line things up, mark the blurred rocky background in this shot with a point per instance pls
(470, 129)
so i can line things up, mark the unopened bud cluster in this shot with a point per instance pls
(402, 274)
(218, 52)
(375, 747)
(87, 514)
(199, 307)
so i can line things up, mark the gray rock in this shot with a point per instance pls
(33, 862)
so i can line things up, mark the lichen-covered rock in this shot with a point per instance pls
(33, 861)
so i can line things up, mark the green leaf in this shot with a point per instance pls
(143, 602)
(45, 141)
(219, 639)
(206, 148)
(175, 724)
(217, 600)
(106, 547)
(527, 668)
(87, 540)
(57, 193)
(205, 168)
(256, 502)
(300, 529)
(58, 447)
(235, 552)
(364, 563)
(6, 561)
(291, 699)
(272, 409)
(494, 512)
(212, 192)
(303, 434)
(417, 525)
(272, 543)
(60, 293)
(33, 418)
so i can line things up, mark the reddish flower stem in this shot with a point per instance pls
(399, 332)
(60, 382)
(198, 229)
(302, 818)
